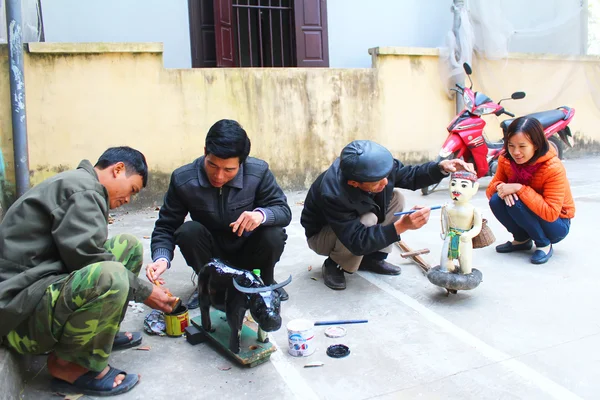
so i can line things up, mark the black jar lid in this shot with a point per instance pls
(338, 351)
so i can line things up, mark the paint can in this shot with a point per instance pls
(177, 321)
(301, 338)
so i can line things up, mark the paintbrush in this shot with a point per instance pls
(341, 322)
(412, 211)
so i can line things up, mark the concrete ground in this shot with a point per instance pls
(527, 332)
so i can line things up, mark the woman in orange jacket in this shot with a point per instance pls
(530, 194)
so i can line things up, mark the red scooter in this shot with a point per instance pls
(466, 139)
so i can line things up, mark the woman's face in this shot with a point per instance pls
(521, 148)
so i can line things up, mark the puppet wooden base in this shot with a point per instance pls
(252, 352)
(453, 282)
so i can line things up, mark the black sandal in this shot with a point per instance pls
(89, 385)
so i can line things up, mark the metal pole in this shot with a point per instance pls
(456, 9)
(2, 199)
(17, 94)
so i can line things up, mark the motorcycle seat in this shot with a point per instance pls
(546, 118)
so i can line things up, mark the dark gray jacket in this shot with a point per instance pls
(57, 227)
(190, 191)
(331, 201)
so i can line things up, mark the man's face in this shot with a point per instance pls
(121, 187)
(372, 187)
(462, 190)
(220, 170)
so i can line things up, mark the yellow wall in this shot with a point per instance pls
(83, 98)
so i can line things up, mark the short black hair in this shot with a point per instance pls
(531, 128)
(134, 161)
(227, 139)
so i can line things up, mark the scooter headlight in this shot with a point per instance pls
(483, 109)
(468, 101)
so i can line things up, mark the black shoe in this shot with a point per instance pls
(193, 301)
(333, 276)
(283, 295)
(379, 267)
(508, 247)
(539, 257)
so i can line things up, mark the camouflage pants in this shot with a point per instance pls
(79, 316)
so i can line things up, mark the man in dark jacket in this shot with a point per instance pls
(64, 287)
(238, 212)
(348, 213)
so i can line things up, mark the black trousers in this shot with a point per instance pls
(261, 249)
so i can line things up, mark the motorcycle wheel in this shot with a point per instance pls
(556, 142)
(429, 189)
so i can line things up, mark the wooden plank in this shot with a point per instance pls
(249, 355)
(414, 253)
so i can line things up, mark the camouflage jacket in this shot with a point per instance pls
(57, 227)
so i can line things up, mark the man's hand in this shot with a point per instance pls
(155, 270)
(247, 222)
(456, 165)
(412, 221)
(160, 300)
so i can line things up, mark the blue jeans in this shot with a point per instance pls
(524, 224)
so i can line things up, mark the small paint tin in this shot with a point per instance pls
(300, 338)
(177, 321)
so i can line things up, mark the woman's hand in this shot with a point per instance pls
(508, 192)
(505, 189)
(511, 199)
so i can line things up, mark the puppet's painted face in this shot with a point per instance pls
(462, 190)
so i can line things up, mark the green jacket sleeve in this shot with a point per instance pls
(80, 230)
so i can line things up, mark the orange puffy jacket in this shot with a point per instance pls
(548, 194)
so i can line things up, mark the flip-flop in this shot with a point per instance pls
(88, 384)
(122, 341)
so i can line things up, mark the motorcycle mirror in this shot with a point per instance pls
(468, 71)
(517, 95)
(467, 68)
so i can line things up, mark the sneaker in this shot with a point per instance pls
(333, 275)
(193, 301)
(539, 257)
(509, 247)
(379, 267)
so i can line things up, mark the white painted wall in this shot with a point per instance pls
(163, 21)
(357, 25)
(546, 26)
(354, 25)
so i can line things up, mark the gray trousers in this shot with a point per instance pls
(326, 243)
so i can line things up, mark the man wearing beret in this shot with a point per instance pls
(348, 213)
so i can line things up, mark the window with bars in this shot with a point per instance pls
(258, 33)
